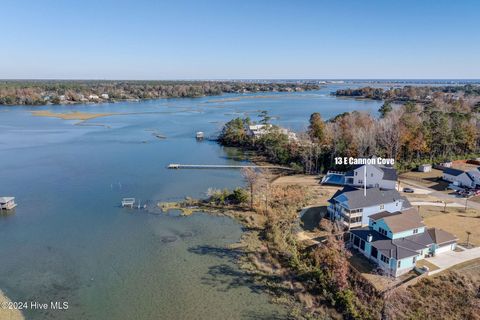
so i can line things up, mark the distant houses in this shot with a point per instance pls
(425, 168)
(258, 130)
(395, 241)
(353, 206)
(468, 179)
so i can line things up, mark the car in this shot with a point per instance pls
(408, 190)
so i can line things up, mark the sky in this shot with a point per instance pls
(262, 39)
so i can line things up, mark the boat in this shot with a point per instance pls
(199, 135)
(7, 203)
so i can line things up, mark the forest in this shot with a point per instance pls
(41, 92)
(412, 133)
(414, 93)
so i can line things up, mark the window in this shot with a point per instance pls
(360, 181)
(396, 204)
(374, 223)
(371, 174)
(362, 245)
(415, 231)
(414, 260)
(399, 263)
(384, 259)
(356, 241)
(374, 252)
(382, 206)
(356, 172)
(382, 231)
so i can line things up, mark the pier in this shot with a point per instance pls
(222, 166)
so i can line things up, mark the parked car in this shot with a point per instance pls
(408, 190)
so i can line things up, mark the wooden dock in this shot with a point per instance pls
(222, 166)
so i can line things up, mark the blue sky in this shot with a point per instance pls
(182, 39)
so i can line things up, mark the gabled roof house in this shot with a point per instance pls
(395, 241)
(352, 206)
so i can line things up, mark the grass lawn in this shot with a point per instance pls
(427, 179)
(425, 263)
(455, 221)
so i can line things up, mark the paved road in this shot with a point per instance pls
(448, 259)
(451, 197)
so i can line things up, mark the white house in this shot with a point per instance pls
(353, 206)
(258, 130)
(460, 177)
(104, 96)
(425, 168)
(7, 203)
(376, 177)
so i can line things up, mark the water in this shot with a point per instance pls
(70, 241)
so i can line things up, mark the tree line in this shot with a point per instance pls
(411, 133)
(65, 92)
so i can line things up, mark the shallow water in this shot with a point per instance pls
(69, 240)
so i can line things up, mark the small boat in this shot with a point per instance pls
(199, 135)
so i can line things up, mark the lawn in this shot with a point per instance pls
(427, 179)
(455, 221)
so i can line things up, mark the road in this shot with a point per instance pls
(448, 259)
(440, 195)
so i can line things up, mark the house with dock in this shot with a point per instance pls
(7, 203)
(353, 206)
(395, 241)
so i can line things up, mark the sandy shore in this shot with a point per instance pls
(8, 314)
(71, 115)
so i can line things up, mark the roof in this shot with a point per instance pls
(440, 236)
(453, 172)
(354, 198)
(398, 249)
(6, 199)
(389, 173)
(400, 221)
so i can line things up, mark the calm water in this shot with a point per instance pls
(70, 241)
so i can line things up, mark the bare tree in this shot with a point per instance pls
(251, 177)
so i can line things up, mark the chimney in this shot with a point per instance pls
(369, 237)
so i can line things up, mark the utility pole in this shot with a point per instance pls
(365, 180)
(468, 238)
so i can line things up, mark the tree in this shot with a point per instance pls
(264, 117)
(316, 129)
(250, 175)
(385, 109)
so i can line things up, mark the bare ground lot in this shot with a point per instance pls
(455, 221)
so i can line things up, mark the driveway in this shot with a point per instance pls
(448, 259)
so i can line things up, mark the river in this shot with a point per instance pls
(69, 240)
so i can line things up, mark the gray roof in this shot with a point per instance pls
(389, 173)
(440, 236)
(354, 197)
(453, 172)
(398, 248)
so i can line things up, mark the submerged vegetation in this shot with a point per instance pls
(43, 92)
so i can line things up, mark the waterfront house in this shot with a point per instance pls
(352, 206)
(461, 178)
(395, 241)
(383, 177)
(258, 130)
(7, 203)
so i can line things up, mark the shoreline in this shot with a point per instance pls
(6, 313)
